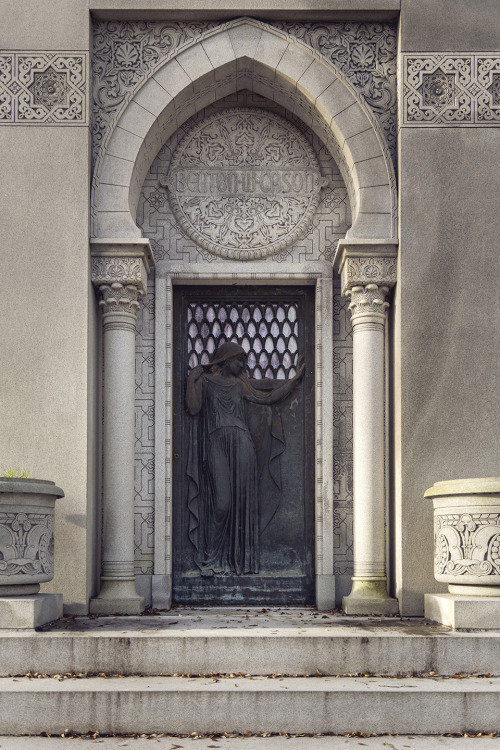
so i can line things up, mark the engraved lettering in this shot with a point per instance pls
(250, 163)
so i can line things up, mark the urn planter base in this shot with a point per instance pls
(466, 553)
(464, 612)
(29, 612)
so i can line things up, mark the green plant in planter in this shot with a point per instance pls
(14, 472)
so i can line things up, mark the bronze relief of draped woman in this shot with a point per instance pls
(234, 461)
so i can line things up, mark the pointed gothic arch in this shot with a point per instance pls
(246, 54)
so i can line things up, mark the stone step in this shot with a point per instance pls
(288, 643)
(207, 705)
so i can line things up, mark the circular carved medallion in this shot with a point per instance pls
(244, 184)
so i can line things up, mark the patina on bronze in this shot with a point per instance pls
(234, 461)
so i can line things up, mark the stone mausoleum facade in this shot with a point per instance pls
(315, 180)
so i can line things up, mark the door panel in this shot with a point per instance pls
(274, 444)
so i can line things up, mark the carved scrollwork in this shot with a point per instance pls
(466, 545)
(27, 546)
(366, 54)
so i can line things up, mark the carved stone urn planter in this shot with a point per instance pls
(467, 535)
(26, 534)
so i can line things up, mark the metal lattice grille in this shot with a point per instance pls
(268, 332)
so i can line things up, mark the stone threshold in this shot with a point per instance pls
(248, 641)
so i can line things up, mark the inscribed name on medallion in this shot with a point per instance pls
(244, 184)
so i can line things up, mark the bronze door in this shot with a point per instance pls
(243, 449)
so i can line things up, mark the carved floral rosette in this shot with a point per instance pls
(467, 532)
(27, 509)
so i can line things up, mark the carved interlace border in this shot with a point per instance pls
(450, 89)
(43, 88)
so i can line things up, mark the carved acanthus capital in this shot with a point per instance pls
(368, 299)
(120, 298)
(119, 272)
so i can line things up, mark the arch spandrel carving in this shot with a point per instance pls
(252, 63)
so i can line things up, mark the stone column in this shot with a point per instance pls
(368, 271)
(119, 272)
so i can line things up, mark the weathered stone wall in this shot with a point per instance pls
(447, 295)
(48, 333)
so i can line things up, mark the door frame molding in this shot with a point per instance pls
(319, 275)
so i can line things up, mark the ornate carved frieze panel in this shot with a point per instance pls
(125, 54)
(451, 89)
(125, 270)
(43, 88)
(244, 184)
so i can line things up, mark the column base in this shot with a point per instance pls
(369, 598)
(464, 612)
(30, 612)
(117, 598)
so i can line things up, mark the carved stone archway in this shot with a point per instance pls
(242, 54)
(246, 54)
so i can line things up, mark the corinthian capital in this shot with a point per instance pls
(368, 299)
(118, 298)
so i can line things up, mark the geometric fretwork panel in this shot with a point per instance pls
(342, 439)
(144, 434)
(267, 332)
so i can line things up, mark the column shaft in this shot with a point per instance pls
(368, 433)
(118, 444)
